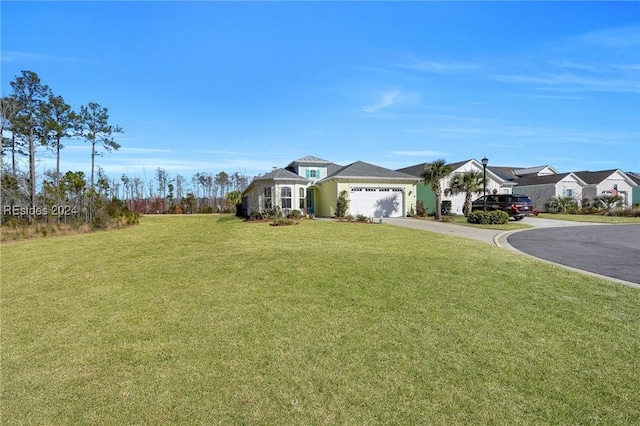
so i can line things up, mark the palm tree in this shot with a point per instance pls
(469, 183)
(434, 172)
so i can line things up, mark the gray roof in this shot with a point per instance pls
(541, 180)
(309, 159)
(634, 176)
(360, 169)
(505, 173)
(595, 177)
(511, 173)
(529, 170)
(415, 171)
(332, 168)
(281, 174)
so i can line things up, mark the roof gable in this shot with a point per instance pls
(594, 178)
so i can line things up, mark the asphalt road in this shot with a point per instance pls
(610, 250)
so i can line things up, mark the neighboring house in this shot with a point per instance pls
(635, 177)
(313, 185)
(607, 182)
(495, 183)
(541, 188)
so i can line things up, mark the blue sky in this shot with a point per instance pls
(245, 86)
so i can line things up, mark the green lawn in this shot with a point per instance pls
(590, 218)
(210, 320)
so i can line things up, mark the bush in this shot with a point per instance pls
(561, 205)
(445, 207)
(256, 215)
(343, 204)
(283, 221)
(420, 210)
(295, 214)
(362, 218)
(496, 217)
(628, 212)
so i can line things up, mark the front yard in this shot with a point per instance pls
(210, 320)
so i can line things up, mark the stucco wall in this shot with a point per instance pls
(326, 199)
(329, 192)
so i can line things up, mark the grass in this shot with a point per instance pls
(209, 320)
(590, 218)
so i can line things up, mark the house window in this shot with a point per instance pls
(313, 173)
(302, 194)
(285, 194)
(266, 200)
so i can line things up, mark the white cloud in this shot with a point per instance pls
(386, 99)
(614, 38)
(572, 82)
(14, 56)
(143, 150)
(439, 67)
(423, 153)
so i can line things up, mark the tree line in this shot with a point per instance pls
(34, 118)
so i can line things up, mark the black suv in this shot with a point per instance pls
(516, 205)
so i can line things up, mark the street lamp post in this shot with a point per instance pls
(485, 160)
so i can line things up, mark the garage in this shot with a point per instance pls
(376, 202)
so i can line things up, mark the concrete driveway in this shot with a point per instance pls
(609, 251)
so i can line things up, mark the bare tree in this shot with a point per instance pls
(94, 125)
(180, 181)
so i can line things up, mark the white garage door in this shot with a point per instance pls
(376, 202)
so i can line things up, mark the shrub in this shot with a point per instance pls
(608, 202)
(295, 214)
(256, 215)
(561, 205)
(628, 212)
(283, 221)
(342, 204)
(445, 207)
(496, 217)
(362, 218)
(420, 210)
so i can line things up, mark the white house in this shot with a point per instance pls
(541, 188)
(607, 182)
